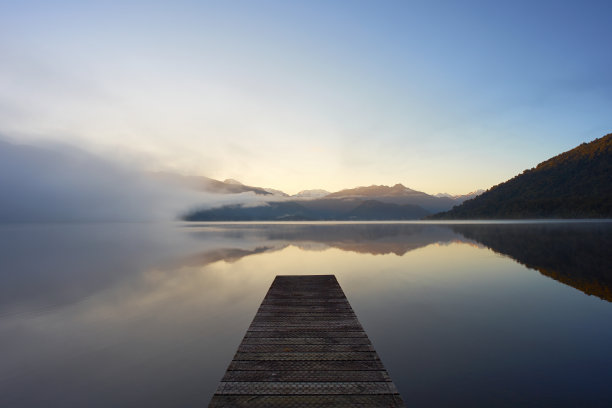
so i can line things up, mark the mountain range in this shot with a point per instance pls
(374, 202)
(397, 194)
(574, 184)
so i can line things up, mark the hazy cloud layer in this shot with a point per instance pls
(59, 183)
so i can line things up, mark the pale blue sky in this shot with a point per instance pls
(440, 96)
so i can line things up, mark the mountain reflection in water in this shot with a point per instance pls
(576, 254)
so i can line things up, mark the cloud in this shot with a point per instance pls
(60, 183)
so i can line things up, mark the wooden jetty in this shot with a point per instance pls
(306, 348)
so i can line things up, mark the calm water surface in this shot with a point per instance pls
(482, 315)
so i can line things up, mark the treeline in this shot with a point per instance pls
(574, 184)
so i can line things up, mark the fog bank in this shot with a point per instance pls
(60, 183)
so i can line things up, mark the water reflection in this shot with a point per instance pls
(576, 254)
(134, 315)
(375, 239)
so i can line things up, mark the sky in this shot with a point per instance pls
(440, 96)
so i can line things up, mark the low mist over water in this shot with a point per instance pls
(495, 314)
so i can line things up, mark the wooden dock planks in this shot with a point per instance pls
(306, 348)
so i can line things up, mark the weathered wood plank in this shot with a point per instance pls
(336, 356)
(302, 348)
(293, 301)
(305, 318)
(292, 365)
(306, 348)
(304, 388)
(304, 309)
(307, 401)
(306, 327)
(303, 376)
(306, 340)
(282, 313)
(280, 332)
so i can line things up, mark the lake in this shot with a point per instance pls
(462, 315)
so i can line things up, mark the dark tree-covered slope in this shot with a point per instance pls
(574, 184)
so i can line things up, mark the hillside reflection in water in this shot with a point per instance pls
(462, 315)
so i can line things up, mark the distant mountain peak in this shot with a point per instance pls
(377, 191)
(461, 197)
